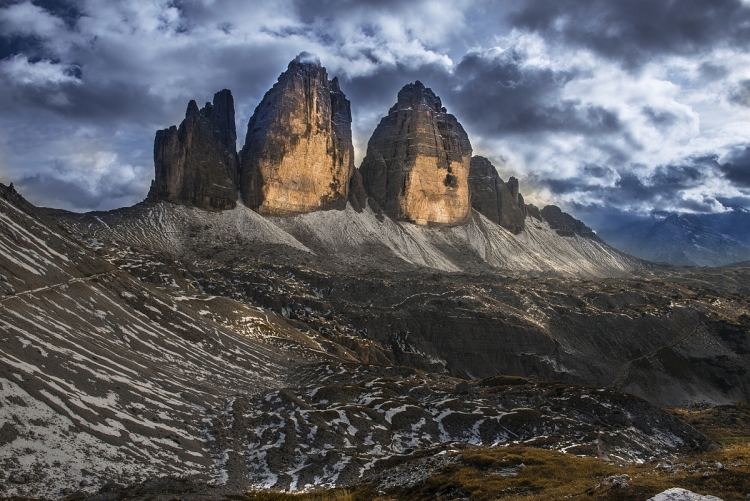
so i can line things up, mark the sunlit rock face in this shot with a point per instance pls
(197, 163)
(499, 201)
(298, 155)
(417, 162)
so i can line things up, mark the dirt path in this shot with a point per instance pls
(623, 371)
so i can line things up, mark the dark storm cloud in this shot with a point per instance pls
(66, 10)
(56, 190)
(503, 95)
(115, 102)
(664, 187)
(741, 94)
(325, 8)
(736, 168)
(597, 171)
(659, 118)
(635, 31)
(712, 72)
(12, 43)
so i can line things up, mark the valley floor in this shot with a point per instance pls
(153, 348)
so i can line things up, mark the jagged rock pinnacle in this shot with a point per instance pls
(197, 163)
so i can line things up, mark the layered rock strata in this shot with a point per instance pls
(298, 155)
(197, 163)
(499, 201)
(565, 224)
(417, 162)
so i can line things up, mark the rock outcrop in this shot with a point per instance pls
(298, 155)
(498, 201)
(197, 163)
(533, 211)
(417, 162)
(565, 224)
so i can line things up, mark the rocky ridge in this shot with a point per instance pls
(197, 162)
(684, 239)
(298, 155)
(417, 162)
(566, 225)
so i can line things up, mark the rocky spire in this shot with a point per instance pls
(498, 201)
(197, 163)
(417, 162)
(298, 155)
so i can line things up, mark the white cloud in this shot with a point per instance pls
(42, 73)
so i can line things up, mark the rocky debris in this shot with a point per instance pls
(197, 163)
(678, 494)
(618, 481)
(150, 363)
(346, 422)
(417, 162)
(298, 155)
(565, 224)
(500, 202)
(679, 340)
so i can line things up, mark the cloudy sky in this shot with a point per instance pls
(596, 105)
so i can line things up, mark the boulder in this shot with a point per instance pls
(417, 162)
(678, 494)
(298, 155)
(196, 164)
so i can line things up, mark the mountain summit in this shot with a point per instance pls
(197, 163)
(298, 155)
(417, 162)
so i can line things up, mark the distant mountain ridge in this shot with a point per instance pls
(685, 239)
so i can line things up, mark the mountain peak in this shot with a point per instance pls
(415, 95)
(298, 155)
(197, 162)
(417, 162)
(306, 58)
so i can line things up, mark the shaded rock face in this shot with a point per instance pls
(417, 162)
(298, 155)
(197, 162)
(498, 201)
(533, 211)
(565, 224)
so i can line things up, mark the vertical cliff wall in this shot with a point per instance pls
(298, 155)
(417, 162)
(197, 163)
(498, 201)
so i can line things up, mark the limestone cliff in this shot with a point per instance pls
(498, 201)
(298, 155)
(197, 162)
(417, 162)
